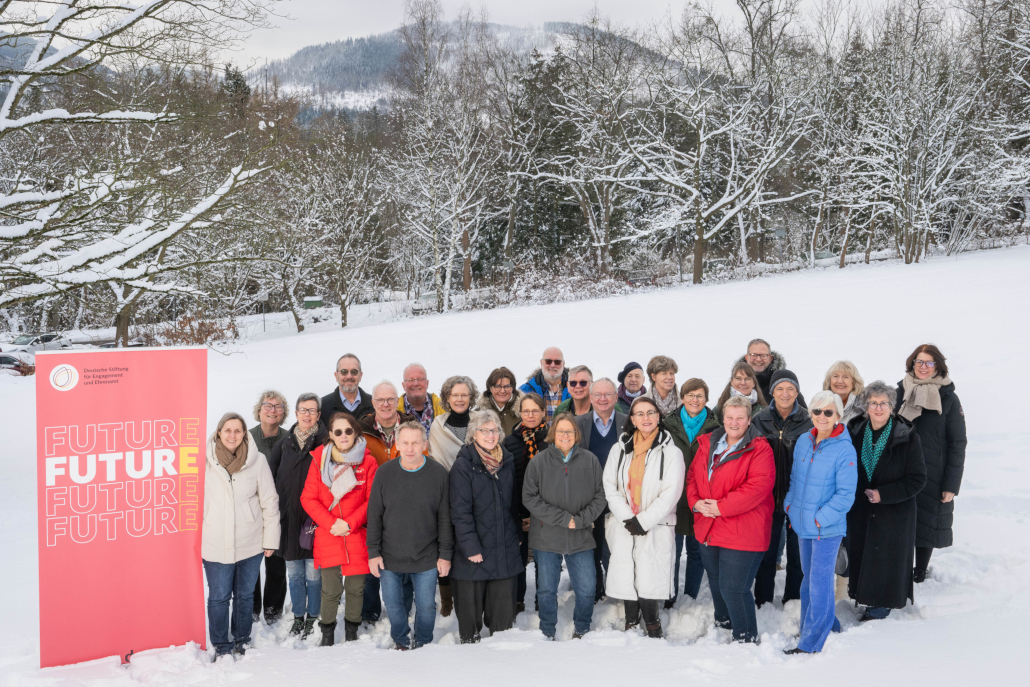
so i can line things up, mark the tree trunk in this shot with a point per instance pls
(844, 241)
(466, 263)
(815, 231)
(121, 325)
(699, 253)
(869, 242)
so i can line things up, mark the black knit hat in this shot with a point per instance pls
(779, 376)
(629, 368)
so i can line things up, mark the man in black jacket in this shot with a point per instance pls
(347, 396)
(766, 362)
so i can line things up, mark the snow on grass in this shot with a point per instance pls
(968, 619)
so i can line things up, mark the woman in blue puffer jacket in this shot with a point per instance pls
(822, 490)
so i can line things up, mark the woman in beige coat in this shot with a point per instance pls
(241, 526)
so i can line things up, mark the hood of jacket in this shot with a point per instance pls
(536, 380)
(777, 363)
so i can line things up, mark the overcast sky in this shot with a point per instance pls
(323, 21)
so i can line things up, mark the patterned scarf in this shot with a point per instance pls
(530, 439)
(666, 405)
(753, 396)
(871, 453)
(304, 434)
(425, 417)
(491, 459)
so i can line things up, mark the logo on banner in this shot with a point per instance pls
(64, 377)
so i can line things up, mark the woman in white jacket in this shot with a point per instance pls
(241, 525)
(643, 482)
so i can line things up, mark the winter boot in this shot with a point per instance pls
(328, 633)
(297, 626)
(654, 630)
(350, 631)
(446, 601)
(309, 627)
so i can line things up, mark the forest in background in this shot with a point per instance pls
(142, 181)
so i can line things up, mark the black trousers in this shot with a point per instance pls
(923, 554)
(765, 582)
(601, 556)
(275, 587)
(646, 608)
(490, 602)
(520, 580)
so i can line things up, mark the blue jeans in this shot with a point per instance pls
(818, 617)
(695, 568)
(372, 606)
(233, 581)
(730, 576)
(305, 587)
(398, 605)
(583, 577)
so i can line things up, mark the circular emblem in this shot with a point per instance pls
(64, 377)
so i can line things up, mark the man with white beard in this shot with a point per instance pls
(550, 380)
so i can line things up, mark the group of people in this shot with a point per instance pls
(379, 499)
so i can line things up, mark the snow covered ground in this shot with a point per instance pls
(968, 622)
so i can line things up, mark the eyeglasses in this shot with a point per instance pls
(498, 387)
(581, 382)
(531, 411)
(695, 397)
(760, 356)
(565, 432)
(605, 395)
(549, 361)
(345, 372)
(490, 432)
(741, 380)
(882, 405)
(828, 412)
(307, 411)
(459, 397)
(273, 407)
(337, 432)
(385, 401)
(648, 414)
(416, 380)
(926, 363)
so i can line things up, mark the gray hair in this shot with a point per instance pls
(347, 355)
(480, 419)
(411, 365)
(827, 398)
(615, 386)
(580, 368)
(448, 387)
(303, 398)
(752, 342)
(410, 424)
(737, 402)
(275, 396)
(877, 388)
(385, 382)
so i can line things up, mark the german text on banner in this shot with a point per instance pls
(120, 439)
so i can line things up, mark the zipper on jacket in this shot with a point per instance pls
(568, 544)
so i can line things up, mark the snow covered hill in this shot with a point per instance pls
(969, 618)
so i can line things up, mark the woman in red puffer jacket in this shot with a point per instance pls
(336, 497)
(729, 489)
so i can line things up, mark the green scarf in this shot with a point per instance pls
(871, 454)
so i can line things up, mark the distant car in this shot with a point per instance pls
(17, 363)
(31, 343)
(131, 344)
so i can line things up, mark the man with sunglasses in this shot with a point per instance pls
(347, 397)
(550, 380)
(416, 400)
(578, 403)
(765, 362)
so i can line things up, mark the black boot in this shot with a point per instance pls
(350, 631)
(919, 575)
(632, 614)
(654, 630)
(328, 634)
(309, 627)
(649, 612)
(297, 626)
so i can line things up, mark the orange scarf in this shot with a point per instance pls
(641, 445)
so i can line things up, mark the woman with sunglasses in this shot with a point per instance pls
(336, 497)
(486, 521)
(643, 480)
(927, 399)
(527, 439)
(822, 490)
(291, 462)
(882, 523)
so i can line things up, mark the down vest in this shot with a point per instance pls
(485, 518)
(348, 551)
(822, 485)
(642, 567)
(241, 511)
(741, 484)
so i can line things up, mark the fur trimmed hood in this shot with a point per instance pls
(778, 363)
